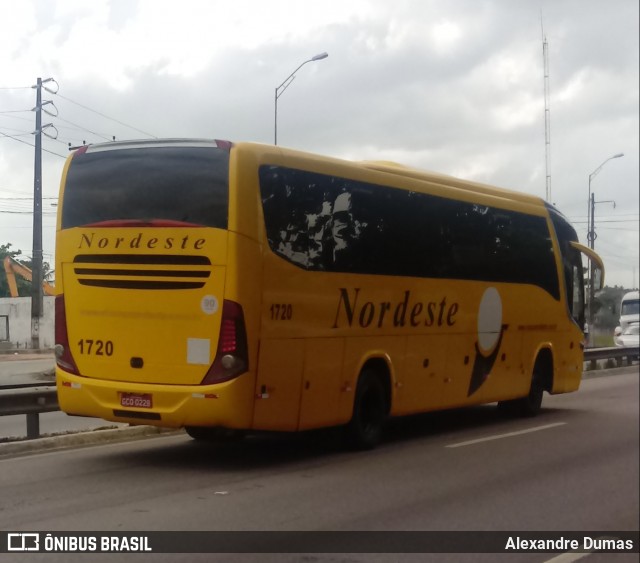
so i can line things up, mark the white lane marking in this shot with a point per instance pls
(568, 557)
(571, 556)
(508, 435)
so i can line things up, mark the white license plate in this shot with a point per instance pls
(136, 400)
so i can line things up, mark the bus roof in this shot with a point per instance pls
(144, 143)
(385, 167)
(430, 176)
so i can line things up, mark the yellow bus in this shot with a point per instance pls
(232, 287)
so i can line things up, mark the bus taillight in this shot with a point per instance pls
(231, 357)
(64, 359)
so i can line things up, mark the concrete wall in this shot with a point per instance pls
(16, 334)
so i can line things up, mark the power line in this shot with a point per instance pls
(79, 127)
(101, 114)
(27, 212)
(609, 221)
(19, 132)
(14, 191)
(15, 117)
(619, 230)
(76, 125)
(30, 145)
(22, 198)
(579, 217)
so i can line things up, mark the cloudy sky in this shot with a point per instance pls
(455, 86)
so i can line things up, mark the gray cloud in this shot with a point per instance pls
(455, 87)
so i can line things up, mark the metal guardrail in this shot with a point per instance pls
(32, 400)
(616, 353)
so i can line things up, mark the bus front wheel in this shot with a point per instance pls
(529, 405)
(532, 403)
(369, 412)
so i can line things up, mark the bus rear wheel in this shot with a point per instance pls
(365, 429)
(219, 435)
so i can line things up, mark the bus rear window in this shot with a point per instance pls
(184, 184)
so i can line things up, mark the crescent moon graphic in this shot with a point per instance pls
(490, 333)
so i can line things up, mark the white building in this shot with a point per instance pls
(15, 323)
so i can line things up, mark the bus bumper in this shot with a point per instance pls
(227, 405)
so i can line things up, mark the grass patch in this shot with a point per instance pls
(603, 340)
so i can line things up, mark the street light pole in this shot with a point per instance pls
(590, 229)
(591, 238)
(287, 82)
(591, 269)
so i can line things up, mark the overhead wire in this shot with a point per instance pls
(10, 115)
(20, 132)
(30, 145)
(83, 128)
(101, 114)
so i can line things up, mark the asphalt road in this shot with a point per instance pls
(16, 368)
(574, 467)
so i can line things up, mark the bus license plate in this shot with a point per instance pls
(136, 400)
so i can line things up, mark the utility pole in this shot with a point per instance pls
(36, 252)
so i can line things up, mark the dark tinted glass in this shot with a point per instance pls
(571, 263)
(630, 308)
(188, 184)
(327, 223)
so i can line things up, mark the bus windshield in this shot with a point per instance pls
(186, 184)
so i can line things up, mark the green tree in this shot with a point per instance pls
(607, 306)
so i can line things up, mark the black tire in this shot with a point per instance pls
(531, 404)
(369, 412)
(219, 435)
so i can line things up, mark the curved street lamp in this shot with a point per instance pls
(590, 226)
(287, 82)
(591, 238)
